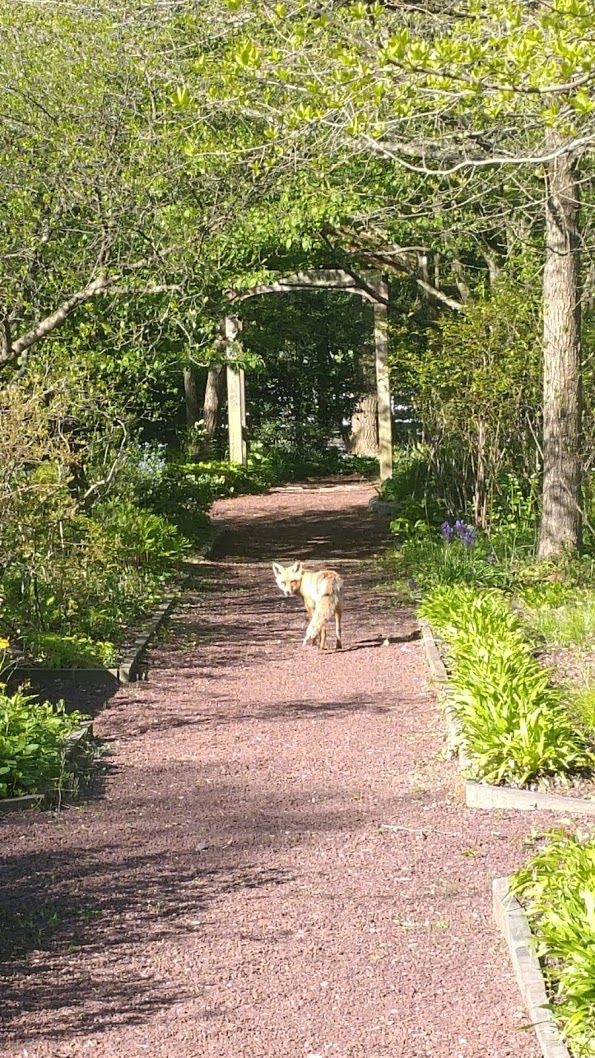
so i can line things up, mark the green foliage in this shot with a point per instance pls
(474, 384)
(567, 619)
(32, 737)
(410, 478)
(141, 537)
(313, 346)
(582, 703)
(557, 889)
(516, 727)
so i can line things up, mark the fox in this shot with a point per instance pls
(322, 592)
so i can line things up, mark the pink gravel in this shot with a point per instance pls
(278, 865)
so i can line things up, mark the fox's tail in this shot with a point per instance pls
(325, 608)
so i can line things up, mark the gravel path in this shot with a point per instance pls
(278, 865)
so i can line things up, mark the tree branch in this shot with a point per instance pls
(102, 284)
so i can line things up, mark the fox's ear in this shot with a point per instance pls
(278, 569)
(297, 567)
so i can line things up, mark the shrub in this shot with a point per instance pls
(108, 570)
(142, 537)
(557, 888)
(515, 725)
(410, 479)
(182, 493)
(32, 737)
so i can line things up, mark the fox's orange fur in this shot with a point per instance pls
(322, 592)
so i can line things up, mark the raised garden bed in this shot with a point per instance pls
(512, 922)
(486, 795)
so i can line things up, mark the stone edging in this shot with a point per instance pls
(45, 798)
(512, 922)
(484, 795)
(131, 661)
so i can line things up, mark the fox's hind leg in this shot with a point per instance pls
(323, 638)
(338, 614)
(310, 612)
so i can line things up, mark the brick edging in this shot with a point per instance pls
(513, 923)
(485, 795)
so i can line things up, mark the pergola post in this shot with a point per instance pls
(236, 396)
(385, 433)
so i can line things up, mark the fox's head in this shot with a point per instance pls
(289, 578)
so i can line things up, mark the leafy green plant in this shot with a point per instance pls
(516, 726)
(411, 478)
(582, 704)
(143, 537)
(32, 737)
(557, 889)
(63, 652)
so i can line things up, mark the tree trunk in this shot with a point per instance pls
(480, 499)
(560, 519)
(363, 439)
(192, 410)
(214, 387)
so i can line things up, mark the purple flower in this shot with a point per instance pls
(467, 534)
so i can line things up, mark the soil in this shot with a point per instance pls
(278, 862)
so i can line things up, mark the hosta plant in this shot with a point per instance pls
(515, 725)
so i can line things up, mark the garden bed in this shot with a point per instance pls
(488, 795)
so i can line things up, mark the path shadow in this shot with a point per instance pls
(348, 533)
(149, 714)
(72, 922)
(82, 925)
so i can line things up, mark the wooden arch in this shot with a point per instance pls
(373, 289)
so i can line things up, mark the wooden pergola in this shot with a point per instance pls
(373, 289)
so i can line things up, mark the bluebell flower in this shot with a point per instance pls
(467, 534)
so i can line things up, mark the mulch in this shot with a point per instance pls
(277, 862)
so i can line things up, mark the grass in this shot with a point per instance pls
(571, 623)
(582, 705)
